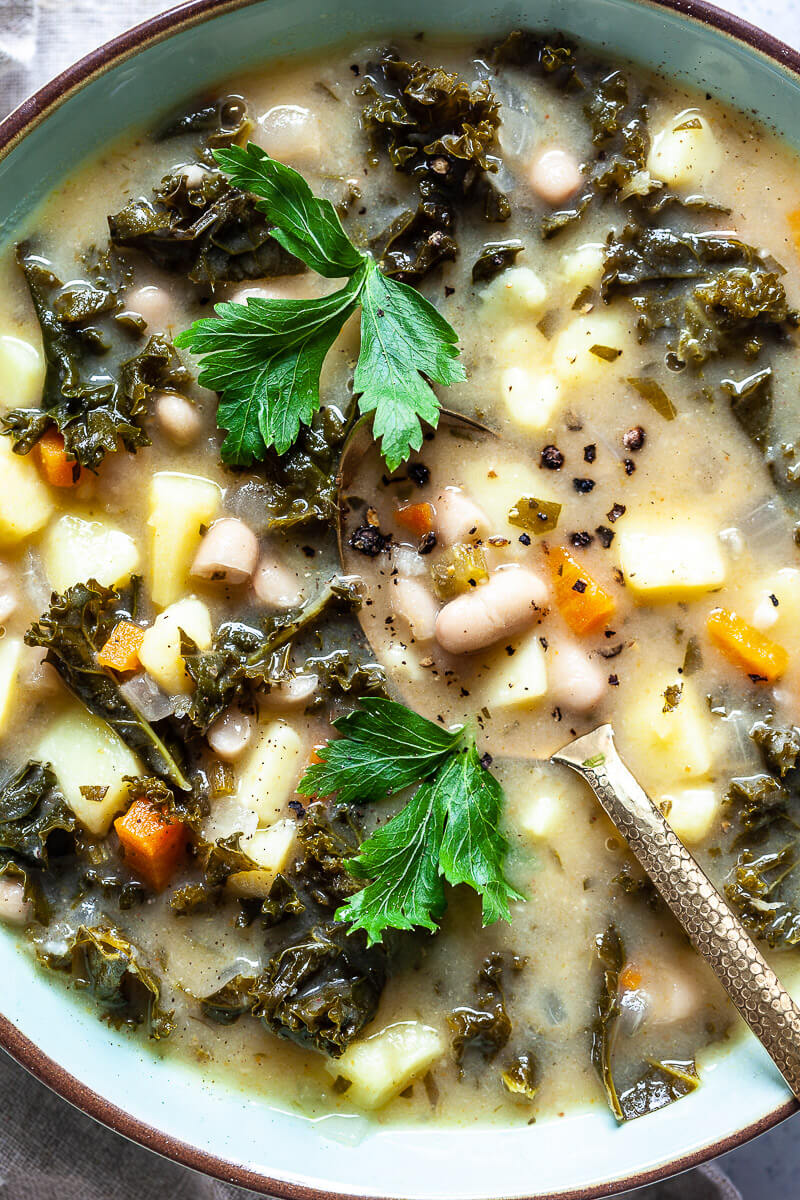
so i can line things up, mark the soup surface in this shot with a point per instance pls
(411, 911)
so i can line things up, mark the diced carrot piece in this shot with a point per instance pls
(630, 978)
(314, 757)
(582, 602)
(153, 842)
(417, 518)
(121, 651)
(794, 225)
(57, 469)
(746, 647)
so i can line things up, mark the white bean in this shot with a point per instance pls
(230, 734)
(414, 603)
(179, 419)
(674, 995)
(154, 304)
(294, 693)
(285, 287)
(228, 553)
(194, 174)
(292, 134)
(574, 679)
(554, 175)
(275, 585)
(502, 608)
(459, 519)
(14, 908)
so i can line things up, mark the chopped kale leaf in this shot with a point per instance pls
(77, 624)
(416, 241)
(33, 813)
(300, 487)
(244, 657)
(207, 230)
(322, 984)
(440, 131)
(107, 965)
(484, 1026)
(661, 1082)
(221, 122)
(755, 890)
(521, 1076)
(713, 295)
(494, 258)
(92, 410)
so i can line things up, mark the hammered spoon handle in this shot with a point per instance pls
(710, 924)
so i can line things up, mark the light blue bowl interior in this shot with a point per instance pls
(584, 1150)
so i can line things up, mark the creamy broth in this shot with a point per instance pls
(663, 502)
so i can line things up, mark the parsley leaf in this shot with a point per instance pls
(265, 357)
(401, 336)
(385, 747)
(449, 829)
(402, 861)
(309, 228)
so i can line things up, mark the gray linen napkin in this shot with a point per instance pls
(48, 1148)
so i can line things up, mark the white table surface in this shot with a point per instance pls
(766, 1169)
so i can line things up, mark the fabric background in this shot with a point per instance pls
(48, 1149)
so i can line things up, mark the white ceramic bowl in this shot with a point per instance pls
(169, 1107)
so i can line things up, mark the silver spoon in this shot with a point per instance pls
(710, 924)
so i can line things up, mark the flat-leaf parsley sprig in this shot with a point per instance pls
(448, 831)
(265, 357)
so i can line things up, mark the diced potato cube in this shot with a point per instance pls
(22, 369)
(531, 397)
(670, 747)
(86, 753)
(270, 771)
(402, 661)
(518, 345)
(381, 1066)
(685, 152)
(518, 679)
(180, 505)
(271, 849)
(691, 812)
(673, 562)
(160, 651)
(26, 503)
(515, 292)
(11, 651)
(583, 267)
(541, 814)
(75, 550)
(496, 484)
(592, 349)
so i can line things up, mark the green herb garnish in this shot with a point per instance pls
(448, 830)
(655, 396)
(539, 516)
(265, 357)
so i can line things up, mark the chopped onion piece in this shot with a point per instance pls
(766, 526)
(147, 698)
(406, 560)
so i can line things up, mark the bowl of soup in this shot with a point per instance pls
(386, 402)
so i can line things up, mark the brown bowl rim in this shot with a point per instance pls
(30, 113)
